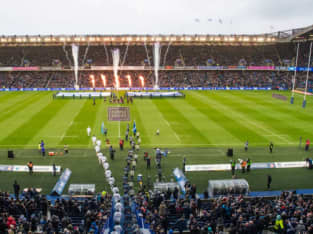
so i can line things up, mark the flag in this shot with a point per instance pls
(134, 127)
(197, 20)
(102, 128)
(210, 20)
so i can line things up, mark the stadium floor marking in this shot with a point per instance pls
(243, 117)
(168, 124)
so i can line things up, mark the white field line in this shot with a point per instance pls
(168, 124)
(251, 122)
(70, 124)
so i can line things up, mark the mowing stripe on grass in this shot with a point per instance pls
(248, 116)
(101, 116)
(154, 120)
(29, 129)
(213, 132)
(294, 111)
(11, 101)
(86, 116)
(55, 129)
(281, 122)
(180, 124)
(227, 118)
(136, 114)
(10, 111)
(8, 126)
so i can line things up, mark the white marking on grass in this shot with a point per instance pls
(70, 124)
(260, 126)
(168, 124)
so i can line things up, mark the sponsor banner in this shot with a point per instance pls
(132, 68)
(208, 167)
(261, 68)
(83, 94)
(139, 88)
(227, 167)
(60, 185)
(281, 68)
(26, 69)
(300, 69)
(154, 94)
(6, 68)
(210, 67)
(51, 68)
(101, 68)
(23, 168)
(168, 67)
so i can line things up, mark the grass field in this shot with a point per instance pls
(200, 127)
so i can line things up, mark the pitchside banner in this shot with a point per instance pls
(138, 88)
(22, 168)
(227, 167)
(60, 185)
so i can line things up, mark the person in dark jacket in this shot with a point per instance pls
(16, 188)
(269, 181)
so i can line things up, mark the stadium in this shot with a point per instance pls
(156, 133)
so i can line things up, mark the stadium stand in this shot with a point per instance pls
(160, 211)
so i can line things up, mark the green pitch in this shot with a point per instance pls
(200, 127)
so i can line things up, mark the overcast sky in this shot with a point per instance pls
(32, 17)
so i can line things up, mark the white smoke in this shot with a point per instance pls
(116, 61)
(157, 49)
(75, 50)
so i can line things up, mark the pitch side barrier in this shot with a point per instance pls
(141, 89)
(161, 68)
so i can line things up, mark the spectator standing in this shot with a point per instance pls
(148, 159)
(16, 188)
(30, 167)
(307, 144)
(66, 149)
(269, 181)
(246, 146)
(271, 146)
(54, 170)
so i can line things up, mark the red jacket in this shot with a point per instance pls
(11, 221)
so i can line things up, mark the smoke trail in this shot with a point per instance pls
(85, 54)
(107, 54)
(116, 60)
(147, 54)
(165, 55)
(157, 52)
(75, 50)
(125, 54)
(66, 55)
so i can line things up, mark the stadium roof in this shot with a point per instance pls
(299, 34)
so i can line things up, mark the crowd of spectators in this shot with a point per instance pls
(34, 213)
(220, 78)
(170, 55)
(289, 213)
